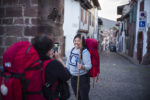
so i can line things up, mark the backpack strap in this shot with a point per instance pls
(44, 67)
(50, 85)
(28, 49)
(36, 67)
(72, 49)
(47, 84)
(25, 82)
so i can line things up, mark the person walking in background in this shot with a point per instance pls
(73, 66)
(55, 71)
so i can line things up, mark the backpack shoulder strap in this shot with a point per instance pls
(44, 67)
(72, 49)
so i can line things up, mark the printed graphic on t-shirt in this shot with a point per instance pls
(74, 59)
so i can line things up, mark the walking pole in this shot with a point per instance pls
(78, 79)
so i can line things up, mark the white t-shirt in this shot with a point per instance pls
(72, 61)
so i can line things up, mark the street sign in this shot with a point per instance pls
(142, 20)
(142, 25)
(142, 14)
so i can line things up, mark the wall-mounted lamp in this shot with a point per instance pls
(54, 15)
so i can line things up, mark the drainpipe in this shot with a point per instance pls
(79, 18)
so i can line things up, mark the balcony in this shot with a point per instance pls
(88, 4)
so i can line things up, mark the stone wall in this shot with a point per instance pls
(23, 19)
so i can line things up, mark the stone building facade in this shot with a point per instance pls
(24, 19)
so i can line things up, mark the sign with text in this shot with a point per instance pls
(142, 21)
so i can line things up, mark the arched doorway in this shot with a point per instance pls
(140, 47)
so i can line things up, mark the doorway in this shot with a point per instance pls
(140, 47)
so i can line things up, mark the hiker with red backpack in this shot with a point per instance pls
(55, 71)
(30, 73)
(81, 68)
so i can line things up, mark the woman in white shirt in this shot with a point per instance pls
(73, 66)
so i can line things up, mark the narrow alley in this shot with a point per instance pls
(121, 29)
(120, 80)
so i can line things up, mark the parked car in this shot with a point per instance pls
(112, 47)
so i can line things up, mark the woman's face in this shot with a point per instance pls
(77, 43)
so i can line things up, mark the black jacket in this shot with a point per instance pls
(55, 71)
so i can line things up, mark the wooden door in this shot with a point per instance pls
(140, 47)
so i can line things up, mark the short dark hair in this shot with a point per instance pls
(42, 44)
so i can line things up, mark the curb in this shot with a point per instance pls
(132, 60)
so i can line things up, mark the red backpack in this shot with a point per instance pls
(92, 45)
(22, 76)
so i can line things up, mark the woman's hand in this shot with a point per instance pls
(80, 66)
(58, 54)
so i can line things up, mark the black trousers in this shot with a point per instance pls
(84, 86)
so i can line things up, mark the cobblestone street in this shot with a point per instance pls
(37, 37)
(120, 80)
